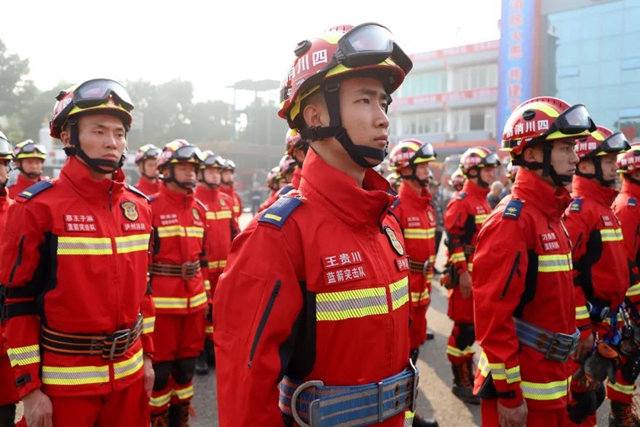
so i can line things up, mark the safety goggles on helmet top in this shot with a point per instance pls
(187, 153)
(573, 121)
(425, 152)
(97, 92)
(213, 162)
(31, 147)
(152, 152)
(490, 160)
(615, 143)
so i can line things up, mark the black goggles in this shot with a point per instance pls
(490, 161)
(213, 162)
(425, 152)
(152, 152)
(615, 143)
(572, 122)
(98, 91)
(230, 165)
(32, 148)
(188, 152)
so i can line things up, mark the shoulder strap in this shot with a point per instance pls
(35, 189)
(278, 213)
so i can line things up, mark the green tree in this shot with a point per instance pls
(13, 69)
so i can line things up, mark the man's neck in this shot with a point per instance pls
(175, 187)
(414, 186)
(342, 162)
(28, 178)
(151, 180)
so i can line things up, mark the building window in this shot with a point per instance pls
(490, 119)
(424, 123)
(475, 119)
(460, 120)
(424, 84)
(475, 77)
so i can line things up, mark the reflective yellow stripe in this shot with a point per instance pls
(77, 375)
(621, 388)
(236, 209)
(271, 216)
(160, 401)
(24, 355)
(84, 246)
(128, 367)
(195, 232)
(458, 257)
(399, 293)
(148, 325)
(545, 391)
(417, 297)
(431, 233)
(219, 215)
(481, 218)
(351, 304)
(133, 243)
(207, 285)
(162, 302)
(198, 300)
(634, 290)
(513, 375)
(483, 365)
(170, 231)
(415, 233)
(217, 264)
(470, 267)
(554, 263)
(408, 418)
(611, 235)
(223, 263)
(184, 393)
(582, 312)
(456, 352)
(208, 329)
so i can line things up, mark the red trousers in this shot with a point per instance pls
(124, 408)
(535, 418)
(178, 336)
(418, 325)
(8, 391)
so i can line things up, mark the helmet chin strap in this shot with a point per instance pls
(99, 165)
(32, 175)
(546, 166)
(172, 178)
(207, 183)
(599, 175)
(478, 175)
(412, 176)
(358, 153)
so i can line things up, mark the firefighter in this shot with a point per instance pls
(625, 207)
(522, 282)
(394, 181)
(222, 229)
(8, 391)
(601, 273)
(297, 148)
(512, 171)
(78, 310)
(275, 182)
(146, 158)
(456, 182)
(462, 221)
(297, 308)
(411, 158)
(179, 269)
(28, 159)
(227, 187)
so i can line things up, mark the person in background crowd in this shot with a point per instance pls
(495, 194)
(29, 158)
(146, 158)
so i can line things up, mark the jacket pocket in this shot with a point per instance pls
(263, 320)
(513, 270)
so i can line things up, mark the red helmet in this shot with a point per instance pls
(287, 164)
(229, 165)
(97, 95)
(629, 161)
(273, 177)
(600, 143)
(394, 179)
(28, 149)
(179, 151)
(457, 179)
(344, 50)
(544, 118)
(211, 160)
(148, 151)
(477, 157)
(411, 152)
(292, 141)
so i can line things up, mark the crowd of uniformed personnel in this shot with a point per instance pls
(114, 296)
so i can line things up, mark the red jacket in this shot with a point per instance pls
(273, 312)
(600, 262)
(147, 187)
(222, 229)
(418, 222)
(297, 177)
(237, 206)
(21, 184)
(626, 209)
(522, 268)
(80, 247)
(180, 229)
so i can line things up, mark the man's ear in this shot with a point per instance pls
(532, 154)
(312, 115)
(65, 137)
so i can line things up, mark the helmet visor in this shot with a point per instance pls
(213, 162)
(572, 122)
(615, 143)
(33, 148)
(187, 153)
(491, 160)
(152, 152)
(98, 91)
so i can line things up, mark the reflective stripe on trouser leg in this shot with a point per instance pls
(160, 399)
(181, 393)
(459, 345)
(621, 391)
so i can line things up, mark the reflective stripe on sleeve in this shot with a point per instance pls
(23, 356)
(458, 257)
(611, 235)
(634, 290)
(148, 325)
(582, 312)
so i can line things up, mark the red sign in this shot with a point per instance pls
(446, 97)
(456, 51)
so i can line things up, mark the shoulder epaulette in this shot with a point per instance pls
(35, 189)
(461, 196)
(286, 189)
(512, 209)
(278, 213)
(632, 202)
(202, 205)
(576, 206)
(138, 192)
(396, 203)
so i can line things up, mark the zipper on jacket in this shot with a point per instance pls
(18, 259)
(511, 273)
(263, 319)
(110, 193)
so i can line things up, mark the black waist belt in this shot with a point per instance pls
(469, 249)
(109, 347)
(416, 266)
(186, 271)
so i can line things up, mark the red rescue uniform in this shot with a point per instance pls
(462, 220)
(21, 184)
(600, 264)
(418, 222)
(626, 208)
(522, 271)
(77, 253)
(178, 272)
(296, 301)
(237, 205)
(147, 187)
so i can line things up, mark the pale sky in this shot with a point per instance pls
(214, 43)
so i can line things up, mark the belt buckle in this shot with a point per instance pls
(554, 352)
(416, 378)
(185, 271)
(118, 337)
(294, 401)
(425, 268)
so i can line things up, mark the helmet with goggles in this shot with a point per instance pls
(229, 165)
(629, 161)
(593, 147)
(407, 155)
(148, 151)
(28, 149)
(476, 158)
(273, 177)
(457, 179)
(178, 151)
(321, 63)
(287, 165)
(6, 150)
(294, 141)
(211, 160)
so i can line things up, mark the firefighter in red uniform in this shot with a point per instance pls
(178, 271)
(297, 148)
(297, 309)
(8, 391)
(456, 182)
(410, 158)
(463, 217)
(601, 272)
(146, 158)
(78, 304)
(227, 187)
(275, 182)
(625, 207)
(394, 181)
(222, 229)
(522, 282)
(28, 158)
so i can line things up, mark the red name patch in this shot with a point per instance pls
(402, 264)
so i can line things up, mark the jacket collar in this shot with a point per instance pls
(475, 190)
(586, 188)
(176, 199)
(26, 182)
(535, 192)
(4, 200)
(338, 192)
(206, 194)
(78, 176)
(411, 196)
(631, 188)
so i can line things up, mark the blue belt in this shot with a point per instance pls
(316, 405)
(556, 347)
